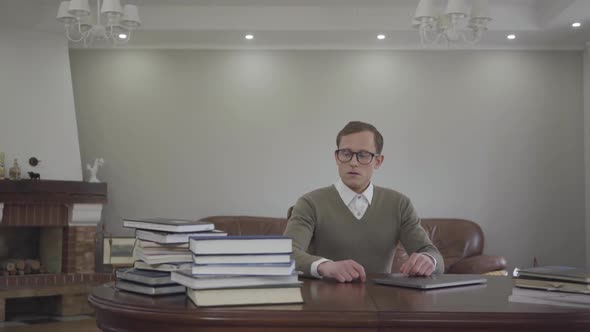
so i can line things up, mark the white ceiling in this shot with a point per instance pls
(319, 24)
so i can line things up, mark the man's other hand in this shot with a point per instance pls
(343, 271)
(418, 265)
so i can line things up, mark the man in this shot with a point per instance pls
(352, 227)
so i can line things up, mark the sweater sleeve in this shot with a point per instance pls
(300, 228)
(414, 238)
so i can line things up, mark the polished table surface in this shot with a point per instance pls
(331, 306)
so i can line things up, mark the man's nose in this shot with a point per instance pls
(354, 161)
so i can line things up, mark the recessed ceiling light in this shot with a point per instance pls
(380, 37)
(122, 36)
(511, 37)
(576, 24)
(249, 37)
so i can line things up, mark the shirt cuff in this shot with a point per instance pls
(432, 257)
(314, 267)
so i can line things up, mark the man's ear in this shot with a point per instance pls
(378, 161)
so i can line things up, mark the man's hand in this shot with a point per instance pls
(343, 271)
(418, 265)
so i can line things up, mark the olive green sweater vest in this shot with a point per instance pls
(322, 226)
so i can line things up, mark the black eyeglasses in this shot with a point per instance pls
(363, 157)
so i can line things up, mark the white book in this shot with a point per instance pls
(186, 278)
(168, 267)
(242, 259)
(240, 245)
(246, 269)
(169, 225)
(549, 301)
(164, 258)
(153, 245)
(245, 296)
(163, 237)
(574, 298)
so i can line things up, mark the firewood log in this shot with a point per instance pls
(8, 266)
(32, 264)
(20, 264)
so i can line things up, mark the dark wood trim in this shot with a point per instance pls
(52, 191)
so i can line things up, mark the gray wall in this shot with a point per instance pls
(37, 116)
(492, 136)
(587, 145)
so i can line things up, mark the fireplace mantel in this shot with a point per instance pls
(53, 191)
(82, 200)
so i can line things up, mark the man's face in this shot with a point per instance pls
(355, 175)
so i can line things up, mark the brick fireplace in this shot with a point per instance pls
(54, 222)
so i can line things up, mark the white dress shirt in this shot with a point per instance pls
(357, 204)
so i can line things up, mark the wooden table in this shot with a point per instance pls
(331, 306)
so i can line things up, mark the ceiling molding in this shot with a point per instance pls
(318, 24)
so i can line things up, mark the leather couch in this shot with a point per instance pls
(460, 241)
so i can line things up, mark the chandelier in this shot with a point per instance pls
(454, 24)
(111, 23)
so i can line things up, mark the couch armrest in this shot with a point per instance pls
(478, 265)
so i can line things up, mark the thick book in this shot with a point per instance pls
(151, 259)
(280, 269)
(553, 285)
(566, 273)
(169, 225)
(186, 278)
(151, 278)
(245, 296)
(167, 267)
(149, 290)
(155, 245)
(547, 297)
(242, 259)
(165, 238)
(240, 245)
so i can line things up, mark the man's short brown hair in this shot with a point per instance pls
(356, 127)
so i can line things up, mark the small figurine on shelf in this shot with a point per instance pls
(14, 172)
(94, 169)
(34, 176)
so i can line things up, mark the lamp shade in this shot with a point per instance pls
(87, 22)
(480, 9)
(457, 7)
(79, 8)
(62, 13)
(130, 17)
(111, 8)
(426, 8)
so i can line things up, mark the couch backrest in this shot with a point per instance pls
(454, 238)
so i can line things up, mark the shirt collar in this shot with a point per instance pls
(348, 194)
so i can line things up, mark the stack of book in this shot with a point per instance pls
(147, 282)
(241, 270)
(162, 243)
(161, 246)
(554, 285)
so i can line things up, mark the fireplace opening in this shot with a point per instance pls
(30, 250)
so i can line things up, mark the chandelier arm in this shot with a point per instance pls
(424, 35)
(476, 36)
(70, 38)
